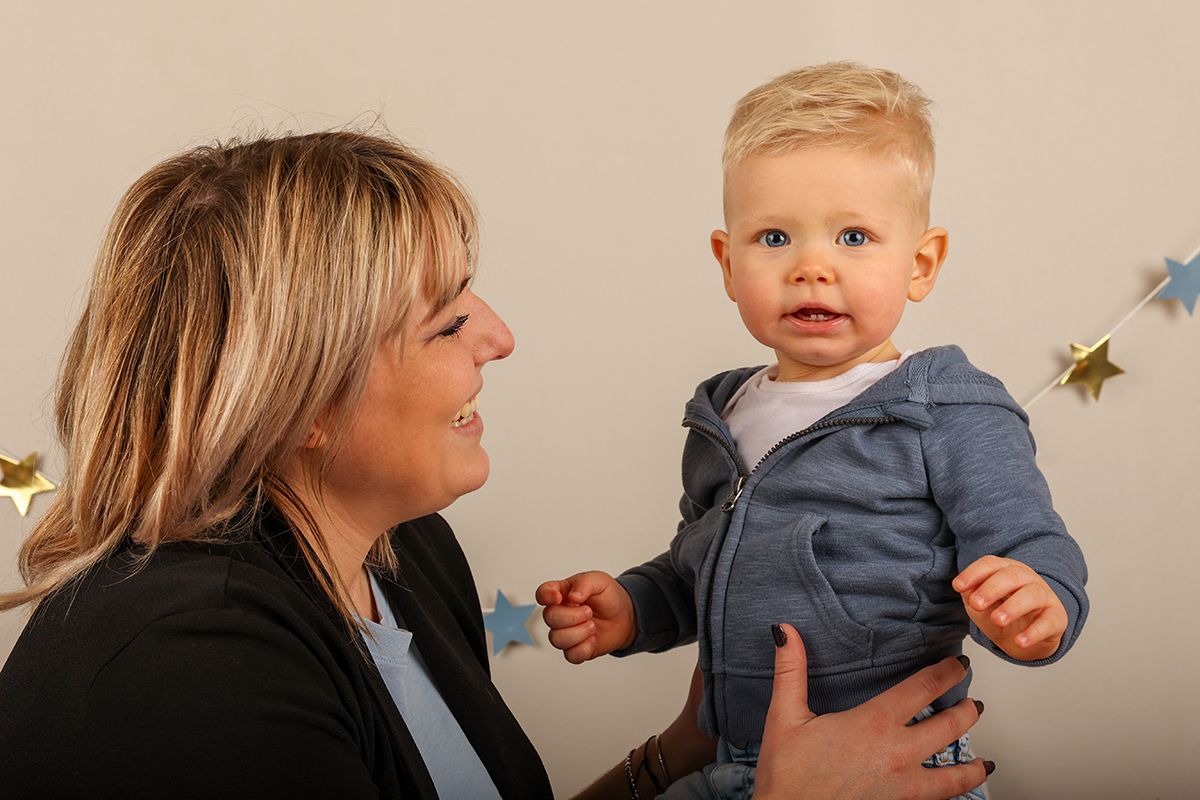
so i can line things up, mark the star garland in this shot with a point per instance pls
(20, 480)
(1092, 367)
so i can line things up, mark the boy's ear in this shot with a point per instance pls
(927, 261)
(720, 248)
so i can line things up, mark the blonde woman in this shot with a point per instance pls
(242, 587)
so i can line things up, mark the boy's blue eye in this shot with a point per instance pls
(852, 238)
(774, 239)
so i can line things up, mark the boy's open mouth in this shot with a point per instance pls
(815, 314)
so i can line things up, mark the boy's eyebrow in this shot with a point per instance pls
(868, 218)
(778, 219)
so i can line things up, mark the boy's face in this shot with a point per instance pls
(825, 245)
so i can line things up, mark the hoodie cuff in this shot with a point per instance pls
(1075, 617)
(657, 627)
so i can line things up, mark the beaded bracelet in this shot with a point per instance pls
(629, 774)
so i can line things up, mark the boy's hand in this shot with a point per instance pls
(588, 614)
(1013, 606)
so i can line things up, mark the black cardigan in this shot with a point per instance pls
(222, 671)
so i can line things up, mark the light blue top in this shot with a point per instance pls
(451, 760)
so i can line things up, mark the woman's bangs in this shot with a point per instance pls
(449, 234)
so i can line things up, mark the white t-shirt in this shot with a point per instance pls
(764, 411)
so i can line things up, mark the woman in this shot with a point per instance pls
(269, 396)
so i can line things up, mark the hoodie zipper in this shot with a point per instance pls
(743, 476)
(719, 440)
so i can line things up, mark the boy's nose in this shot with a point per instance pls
(812, 270)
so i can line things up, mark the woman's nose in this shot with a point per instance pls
(496, 339)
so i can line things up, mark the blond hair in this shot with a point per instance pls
(842, 104)
(240, 294)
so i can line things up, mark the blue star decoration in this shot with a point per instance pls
(508, 623)
(1185, 283)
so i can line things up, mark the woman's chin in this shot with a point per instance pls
(475, 475)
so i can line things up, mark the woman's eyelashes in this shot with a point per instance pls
(454, 328)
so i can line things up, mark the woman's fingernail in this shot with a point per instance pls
(966, 662)
(778, 635)
(989, 767)
(978, 706)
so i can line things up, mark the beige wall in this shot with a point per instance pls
(590, 134)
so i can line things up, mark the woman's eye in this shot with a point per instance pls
(774, 239)
(852, 238)
(456, 326)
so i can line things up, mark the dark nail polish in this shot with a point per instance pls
(778, 635)
(966, 662)
(989, 767)
(978, 706)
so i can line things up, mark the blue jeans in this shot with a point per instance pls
(731, 777)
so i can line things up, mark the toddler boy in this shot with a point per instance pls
(885, 503)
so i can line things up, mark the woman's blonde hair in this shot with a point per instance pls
(840, 103)
(240, 294)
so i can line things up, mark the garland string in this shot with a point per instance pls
(1153, 293)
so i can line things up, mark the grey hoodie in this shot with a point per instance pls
(851, 530)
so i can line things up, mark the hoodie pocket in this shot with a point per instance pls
(831, 637)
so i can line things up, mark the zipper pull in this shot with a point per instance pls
(731, 501)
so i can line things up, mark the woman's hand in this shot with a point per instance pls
(868, 751)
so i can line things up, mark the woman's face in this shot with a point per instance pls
(414, 446)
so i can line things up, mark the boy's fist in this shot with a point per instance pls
(588, 614)
(1013, 606)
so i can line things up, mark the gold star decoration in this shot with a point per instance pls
(20, 481)
(1092, 367)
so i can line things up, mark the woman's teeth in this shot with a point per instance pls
(466, 413)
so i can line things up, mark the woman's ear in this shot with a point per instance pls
(317, 438)
(719, 240)
(927, 261)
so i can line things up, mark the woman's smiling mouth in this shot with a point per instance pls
(466, 414)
